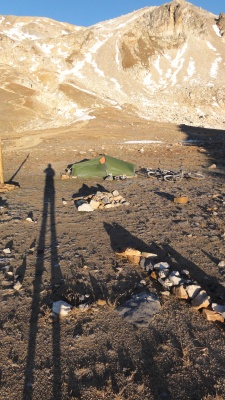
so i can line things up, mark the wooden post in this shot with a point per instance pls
(1, 165)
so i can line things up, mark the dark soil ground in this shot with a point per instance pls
(64, 254)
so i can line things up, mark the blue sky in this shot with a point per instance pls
(89, 12)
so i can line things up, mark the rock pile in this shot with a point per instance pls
(178, 283)
(100, 201)
(10, 281)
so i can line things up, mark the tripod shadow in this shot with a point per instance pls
(48, 221)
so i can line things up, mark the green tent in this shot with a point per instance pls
(103, 166)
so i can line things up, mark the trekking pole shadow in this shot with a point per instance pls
(16, 172)
(56, 277)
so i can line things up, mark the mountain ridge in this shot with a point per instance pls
(164, 63)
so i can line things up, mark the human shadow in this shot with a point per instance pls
(48, 224)
(156, 374)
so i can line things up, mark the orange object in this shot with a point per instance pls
(102, 160)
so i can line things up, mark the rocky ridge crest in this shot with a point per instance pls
(163, 63)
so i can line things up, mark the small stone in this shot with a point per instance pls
(202, 300)
(85, 207)
(193, 290)
(161, 266)
(101, 302)
(211, 315)
(7, 251)
(28, 219)
(7, 284)
(181, 199)
(9, 274)
(165, 283)
(115, 193)
(185, 272)
(143, 282)
(212, 166)
(166, 293)
(154, 275)
(17, 285)
(142, 262)
(105, 200)
(94, 204)
(61, 308)
(148, 265)
(109, 177)
(175, 273)
(83, 307)
(148, 255)
(163, 274)
(221, 264)
(180, 292)
(174, 279)
(118, 198)
(109, 205)
(219, 309)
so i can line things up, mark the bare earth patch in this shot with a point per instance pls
(62, 254)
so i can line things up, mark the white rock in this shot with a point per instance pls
(193, 290)
(85, 207)
(175, 280)
(161, 266)
(221, 264)
(115, 193)
(61, 308)
(29, 219)
(7, 251)
(17, 285)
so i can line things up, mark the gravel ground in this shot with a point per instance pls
(63, 255)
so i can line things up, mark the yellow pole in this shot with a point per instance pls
(1, 166)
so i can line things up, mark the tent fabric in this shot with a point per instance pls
(103, 166)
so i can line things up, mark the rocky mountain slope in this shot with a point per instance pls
(162, 63)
